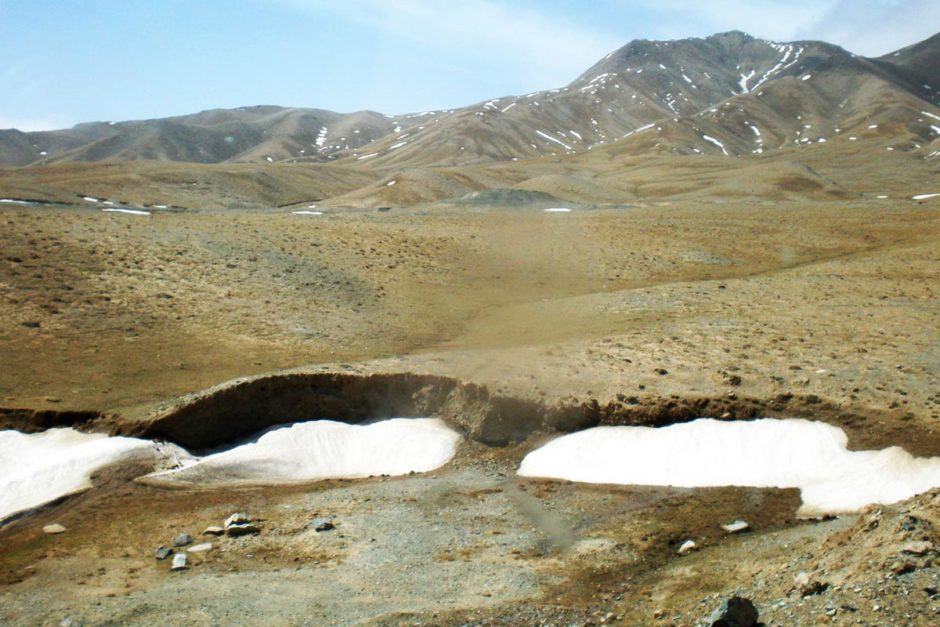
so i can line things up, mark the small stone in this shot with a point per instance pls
(735, 612)
(323, 524)
(201, 548)
(903, 567)
(238, 518)
(809, 586)
(241, 529)
(736, 527)
(53, 529)
(182, 540)
(917, 548)
(179, 562)
(214, 530)
(687, 547)
(163, 552)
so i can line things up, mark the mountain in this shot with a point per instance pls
(729, 94)
(247, 134)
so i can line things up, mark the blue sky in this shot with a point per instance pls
(69, 61)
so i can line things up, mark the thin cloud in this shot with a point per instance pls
(872, 27)
(876, 28)
(29, 124)
(527, 39)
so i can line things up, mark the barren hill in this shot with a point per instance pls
(725, 94)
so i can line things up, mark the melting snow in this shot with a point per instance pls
(369, 156)
(807, 77)
(41, 467)
(324, 449)
(557, 210)
(133, 212)
(924, 196)
(744, 80)
(552, 139)
(307, 212)
(711, 139)
(811, 456)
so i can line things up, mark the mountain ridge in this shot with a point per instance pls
(686, 89)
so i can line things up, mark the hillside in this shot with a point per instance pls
(725, 94)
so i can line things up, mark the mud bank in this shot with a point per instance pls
(241, 407)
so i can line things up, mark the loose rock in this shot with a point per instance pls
(735, 612)
(182, 540)
(238, 518)
(201, 548)
(736, 527)
(179, 562)
(242, 530)
(323, 524)
(917, 548)
(163, 552)
(809, 586)
(687, 547)
(214, 530)
(53, 529)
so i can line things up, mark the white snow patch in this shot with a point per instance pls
(89, 199)
(873, 126)
(807, 77)
(133, 212)
(325, 449)
(321, 137)
(552, 139)
(744, 80)
(711, 139)
(811, 456)
(390, 183)
(398, 145)
(931, 115)
(557, 210)
(369, 156)
(511, 105)
(38, 468)
(924, 196)
(307, 212)
(10, 201)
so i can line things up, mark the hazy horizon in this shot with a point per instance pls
(101, 60)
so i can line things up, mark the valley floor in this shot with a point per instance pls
(835, 302)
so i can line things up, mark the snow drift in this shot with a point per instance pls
(38, 468)
(324, 449)
(811, 456)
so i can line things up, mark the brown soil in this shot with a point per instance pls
(643, 315)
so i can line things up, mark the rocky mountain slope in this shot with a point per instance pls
(728, 94)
